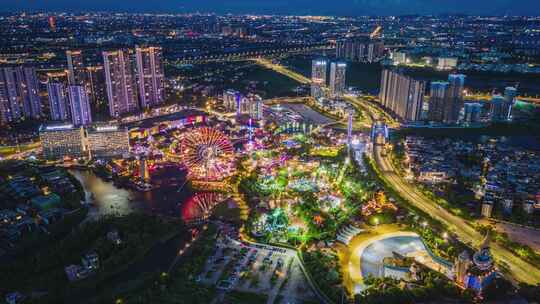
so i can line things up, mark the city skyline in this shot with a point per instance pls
(296, 7)
(239, 158)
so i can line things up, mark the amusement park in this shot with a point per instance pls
(309, 192)
(240, 152)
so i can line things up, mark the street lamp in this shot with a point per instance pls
(376, 221)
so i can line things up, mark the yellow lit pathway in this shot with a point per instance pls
(283, 70)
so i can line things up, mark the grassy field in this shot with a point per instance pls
(269, 84)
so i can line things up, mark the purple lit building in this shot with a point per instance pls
(120, 83)
(80, 105)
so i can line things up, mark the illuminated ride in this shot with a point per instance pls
(201, 206)
(207, 153)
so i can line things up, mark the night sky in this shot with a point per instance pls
(299, 7)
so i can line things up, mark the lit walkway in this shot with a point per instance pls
(519, 268)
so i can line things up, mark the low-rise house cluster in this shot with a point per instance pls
(89, 265)
(29, 204)
(504, 178)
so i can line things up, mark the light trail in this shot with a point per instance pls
(518, 268)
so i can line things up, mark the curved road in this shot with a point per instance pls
(518, 268)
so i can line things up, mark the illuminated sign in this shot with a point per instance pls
(107, 128)
(59, 127)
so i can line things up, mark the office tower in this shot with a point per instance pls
(402, 95)
(107, 141)
(18, 94)
(455, 98)
(80, 106)
(150, 76)
(318, 77)
(437, 100)
(76, 70)
(472, 112)
(121, 92)
(337, 78)
(57, 100)
(231, 100)
(62, 140)
(498, 108)
(318, 71)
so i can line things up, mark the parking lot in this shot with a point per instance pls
(256, 268)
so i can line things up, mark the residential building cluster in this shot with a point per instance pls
(132, 80)
(405, 97)
(402, 95)
(31, 203)
(321, 85)
(446, 99)
(360, 50)
(503, 177)
(19, 94)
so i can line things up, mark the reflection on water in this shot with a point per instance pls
(111, 200)
(200, 206)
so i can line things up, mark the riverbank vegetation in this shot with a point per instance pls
(43, 273)
(429, 287)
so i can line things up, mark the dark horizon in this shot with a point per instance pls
(291, 7)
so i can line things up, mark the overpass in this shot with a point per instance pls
(283, 70)
(518, 268)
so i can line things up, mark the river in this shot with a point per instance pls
(111, 200)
